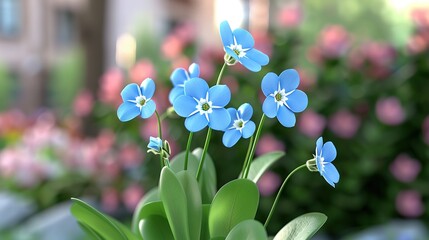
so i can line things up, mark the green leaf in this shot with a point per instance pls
(205, 234)
(208, 177)
(174, 200)
(90, 232)
(155, 228)
(262, 163)
(235, 202)
(178, 162)
(91, 218)
(249, 230)
(151, 196)
(194, 205)
(126, 230)
(302, 227)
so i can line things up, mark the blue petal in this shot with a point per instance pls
(219, 119)
(297, 101)
(231, 137)
(250, 64)
(148, 88)
(130, 92)
(231, 53)
(194, 70)
(249, 129)
(226, 34)
(244, 38)
(196, 122)
(319, 165)
(269, 107)
(179, 76)
(197, 88)
(233, 114)
(220, 95)
(245, 111)
(184, 105)
(258, 56)
(289, 79)
(155, 143)
(269, 83)
(329, 152)
(286, 117)
(175, 93)
(148, 109)
(331, 174)
(127, 111)
(319, 145)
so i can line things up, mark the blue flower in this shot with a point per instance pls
(203, 106)
(283, 99)
(155, 144)
(179, 77)
(325, 154)
(238, 44)
(240, 125)
(137, 101)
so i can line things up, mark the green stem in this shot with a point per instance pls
(279, 192)
(252, 151)
(160, 136)
(220, 74)
(188, 147)
(203, 155)
(247, 156)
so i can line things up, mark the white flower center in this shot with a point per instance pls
(204, 106)
(280, 96)
(239, 124)
(238, 49)
(140, 101)
(321, 160)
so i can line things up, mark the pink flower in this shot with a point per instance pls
(425, 128)
(110, 200)
(420, 17)
(132, 195)
(344, 124)
(83, 103)
(130, 155)
(268, 183)
(142, 70)
(417, 44)
(334, 41)
(172, 47)
(290, 16)
(110, 87)
(409, 203)
(389, 111)
(268, 143)
(311, 124)
(405, 168)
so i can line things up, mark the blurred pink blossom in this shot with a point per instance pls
(409, 203)
(334, 41)
(186, 32)
(344, 123)
(132, 195)
(417, 44)
(172, 47)
(12, 122)
(405, 168)
(105, 140)
(110, 199)
(149, 128)
(83, 103)
(181, 62)
(269, 183)
(141, 70)
(232, 83)
(268, 143)
(263, 42)
(389, 111)
(111, 86)
(290, 16)
(425, 128)
(307, 79)
(311, 124)
(420, 17)
(130, 155)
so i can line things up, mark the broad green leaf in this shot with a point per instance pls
(205, 234)
(177, 163)
(155, 228)
(173, 198)
(235, 202)
(151, 196)
(194, 205)
(261, 164)
(90, 217)
(90, 232)
(126, 230)
(208, 177)
(249, 230)
(302, 227)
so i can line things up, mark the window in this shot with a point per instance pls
(10, 18)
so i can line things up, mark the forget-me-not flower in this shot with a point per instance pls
(179, 77)
(155, 144)
(325, 154)
(283, 99)
(238, 44)
(137, 101)
(240, 126)
(202, 106)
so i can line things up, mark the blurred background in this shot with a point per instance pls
(364, 65)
